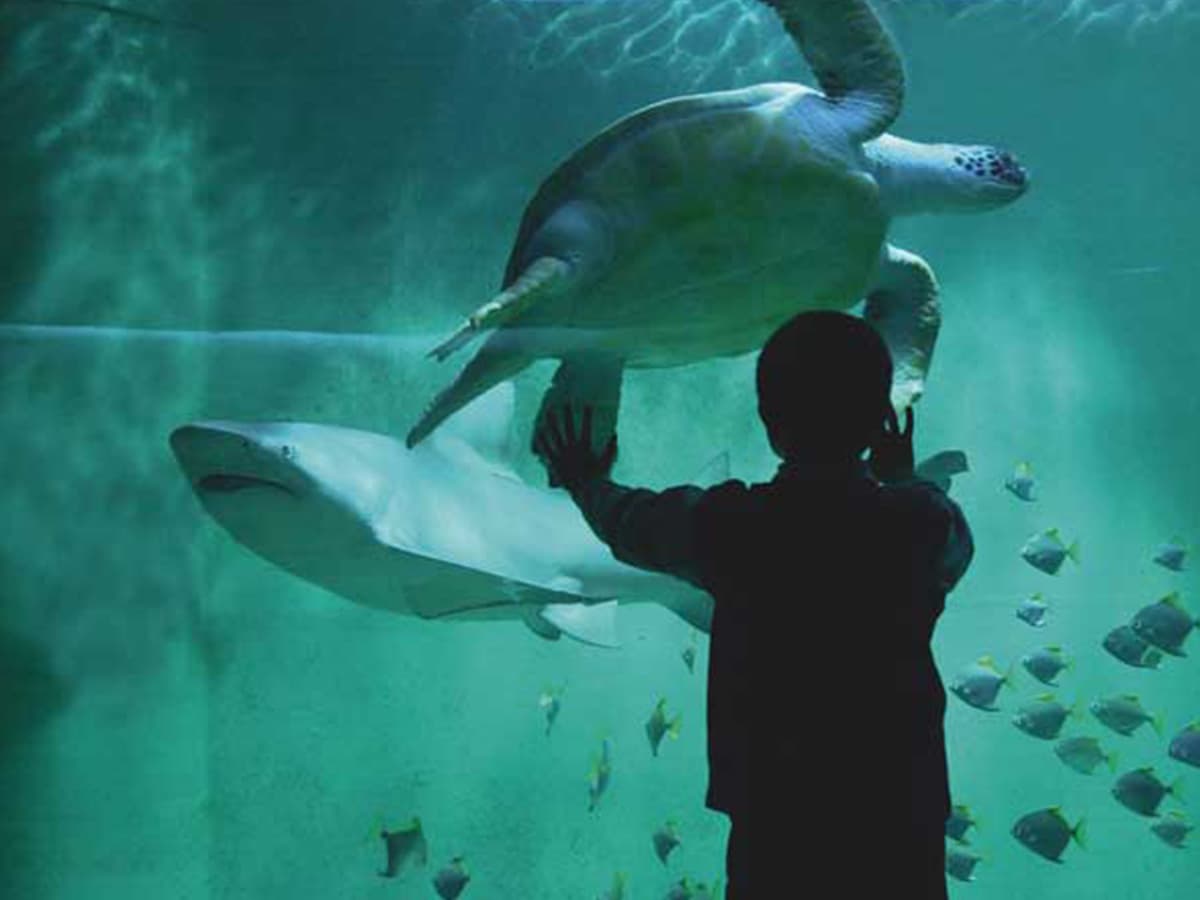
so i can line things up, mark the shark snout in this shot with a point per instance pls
(226, 458)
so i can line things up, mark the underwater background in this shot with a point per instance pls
(182, 719)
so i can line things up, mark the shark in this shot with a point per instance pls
(444, 531)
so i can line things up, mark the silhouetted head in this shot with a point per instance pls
(824, 386)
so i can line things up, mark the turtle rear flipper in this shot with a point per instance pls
(853, 58)
(503, 355)
(499, 359)
(540, 277)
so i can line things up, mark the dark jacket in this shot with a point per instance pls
(822, 690)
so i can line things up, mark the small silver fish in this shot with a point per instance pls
(960, 864)
(979, 683)
(1043, 717)
(1165, 624)
(959, 822)
(404, 845)
(1171, 555)
(1046, 551)
(1021, 483)
(1123, 713)
(550, 702)
(1185, 746)
(665, 840)
(1045, 664)
(1033, 611)
(599, 774)
(451, 879)
(657, 726)
(1125, 645)
(1142, 791)
(1172, 828)
(1046, 832)
(685, 889)
(1084, 754)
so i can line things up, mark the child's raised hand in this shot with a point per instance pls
(891, 457)
(569, 458)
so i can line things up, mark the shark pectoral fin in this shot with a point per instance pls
(539, 626)
(594, 624)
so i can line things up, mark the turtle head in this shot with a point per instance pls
(984, 177)
(916, 178)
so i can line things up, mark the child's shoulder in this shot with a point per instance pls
(918, 498)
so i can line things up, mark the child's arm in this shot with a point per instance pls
(959, 548)
(892, 462)
(647, 529)
(948, 530)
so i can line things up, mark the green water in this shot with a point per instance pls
(181, 719)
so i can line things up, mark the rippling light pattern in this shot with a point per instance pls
(697, 39)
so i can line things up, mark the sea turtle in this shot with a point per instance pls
(694, 227)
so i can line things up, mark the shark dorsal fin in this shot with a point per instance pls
(485, 424)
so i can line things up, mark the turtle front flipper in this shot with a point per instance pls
(536, 281)
(585, 379)
(853, 58)
(903, 306)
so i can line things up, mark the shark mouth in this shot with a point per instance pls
(225, 483)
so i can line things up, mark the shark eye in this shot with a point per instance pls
(287, 451)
